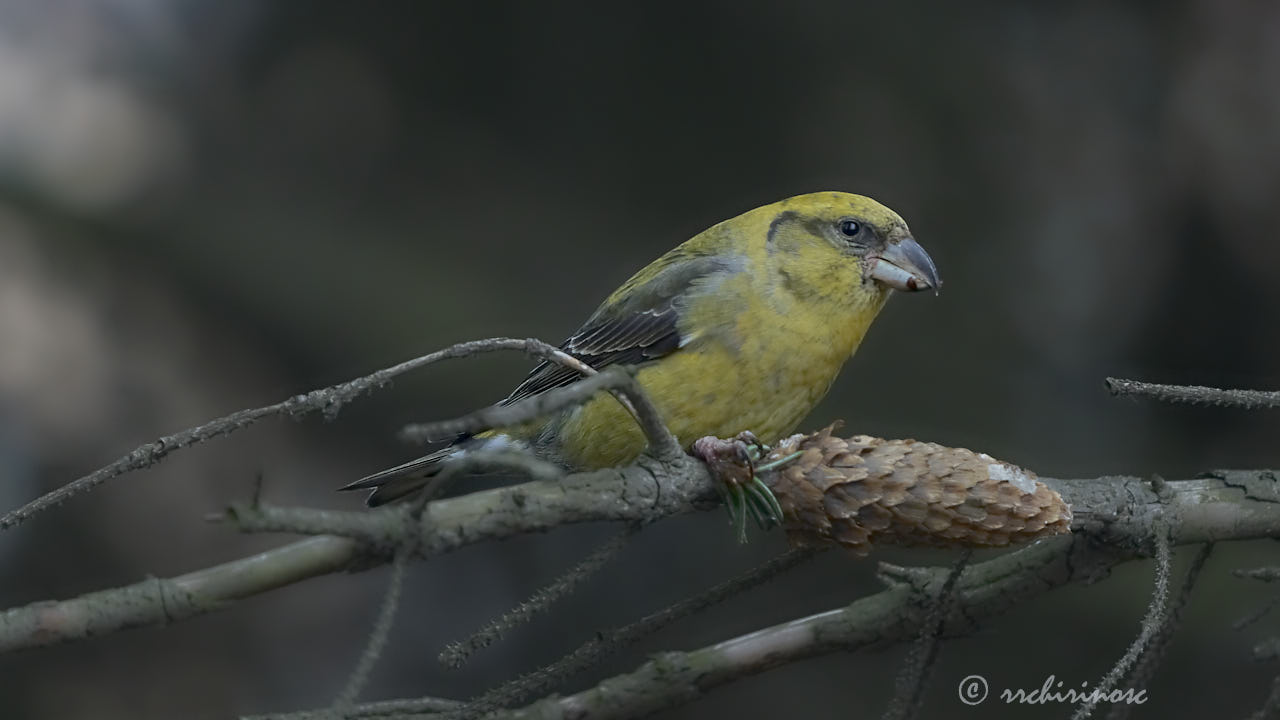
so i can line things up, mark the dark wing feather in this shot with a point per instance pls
(631, 341)
(640, 323)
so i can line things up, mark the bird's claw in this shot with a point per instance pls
(733, 464)
(754, 447)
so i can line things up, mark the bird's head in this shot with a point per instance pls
(843, 230)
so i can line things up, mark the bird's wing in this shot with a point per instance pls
(637, 324)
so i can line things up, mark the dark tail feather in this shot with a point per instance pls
(402, 480)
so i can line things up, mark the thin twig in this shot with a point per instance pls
(329, 400)
(484, 460)
(914, 675)
(1257, 614)
(1265, 574)
(345, 701)
(662, 444)
(1150, 625)
(1267, 650)
(521, 412)
(672, 679)
(385, 708)
(607, 643)
(419, 433)
(1195, 394)
(1145, 670)
(456, 654)
(624, 396)
(615, 378)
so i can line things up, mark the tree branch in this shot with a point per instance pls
(893, 615)
(1225, 505)
(329, 400)
(160, 601)
(1195, 394)
(644, 492)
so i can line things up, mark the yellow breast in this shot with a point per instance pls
(759, 357)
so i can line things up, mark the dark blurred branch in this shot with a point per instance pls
(1195, 394)
(1265, 574)
(1271, 707)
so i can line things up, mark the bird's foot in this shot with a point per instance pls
(732, 464)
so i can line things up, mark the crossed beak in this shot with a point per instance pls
(904, 265)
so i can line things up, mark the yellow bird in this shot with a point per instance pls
(744, 327)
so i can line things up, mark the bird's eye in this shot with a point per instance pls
(850, 228)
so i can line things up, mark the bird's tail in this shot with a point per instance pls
(402, 480)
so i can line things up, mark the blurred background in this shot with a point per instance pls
(206, 206)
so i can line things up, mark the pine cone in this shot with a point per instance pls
(863, 491)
